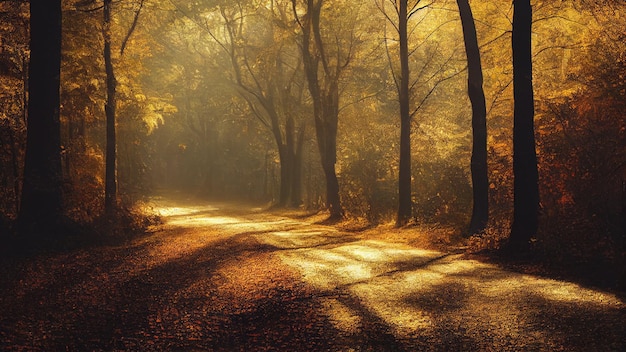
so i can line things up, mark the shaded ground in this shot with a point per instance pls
(216, 277)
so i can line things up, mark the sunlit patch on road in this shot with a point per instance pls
(343, 318)
(417, 291)
(567, 292)
(297, 238)
(386, 252)
(410, 291)
(169, 211)
(203, 221)
(341, 265)
(213, 272)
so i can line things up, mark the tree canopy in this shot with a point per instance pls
(357, 109)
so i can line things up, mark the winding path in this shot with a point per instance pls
(221, 277)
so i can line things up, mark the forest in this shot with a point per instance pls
(200, 132)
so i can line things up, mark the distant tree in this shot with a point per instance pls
(13, 78)
(110, 183)
(525, 173)
(480, 181)
(41, 206)
(404, 181)
(404, 12)
(324, 66)
(272, 87)
(258, 45)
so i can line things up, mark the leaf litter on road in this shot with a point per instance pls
(254, 281)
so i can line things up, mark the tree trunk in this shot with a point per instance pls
(325, 101)
(480, 180)
(624, 215)
(332, 192)
(404, 179)
(286, 166)
(110, 183)
(290, 154)
(525, 188)
(326, 133)
(41, 205)
(15, 163)
(296, 184)
(330, 120)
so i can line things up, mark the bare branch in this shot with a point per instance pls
(496, 38)
(200, 25)
(295, 13)
(393, 72)
(416, 9)
(255, 111)
(563, 47)
(132, 28)
(498, 94)
(361, 99)
(430, 92)
(381, 8)
(430, 34)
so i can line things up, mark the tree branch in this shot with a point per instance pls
(132, 28)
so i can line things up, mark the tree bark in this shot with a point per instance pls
(296, 184)
(286, 168)
(325, 100)
(480, 180)
(526, 187)
(41, 205)
(110, 183)
(405, 208)
(328, 139)
(15, 152)
(294, 167)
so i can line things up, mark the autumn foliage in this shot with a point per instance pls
(196, 95)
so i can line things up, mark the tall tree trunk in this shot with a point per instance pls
(329, 123)
(110, 183)
(286, 166)
(287, 184)
(525, 188)
(296, 182)
(290, 154)
(480, 180)
(15, 152)
(404, 179)
(325, 101)
(41, 205)
(293, 182)
(332, 192)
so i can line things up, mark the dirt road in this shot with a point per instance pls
(219, 277)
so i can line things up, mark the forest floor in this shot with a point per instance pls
(220, 277)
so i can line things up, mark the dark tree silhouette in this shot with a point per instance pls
(525, 174)
(480, 180)
(323, 81)
(405, 11)
(404, 178)
(110, 183)
(41, 205)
